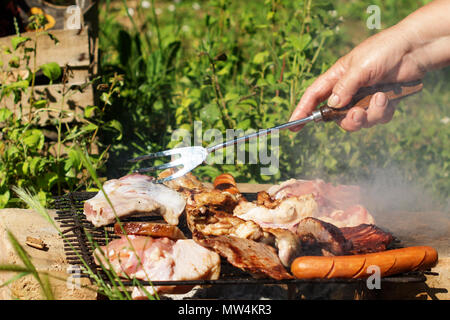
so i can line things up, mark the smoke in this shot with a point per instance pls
(388, 190)
(406, 209)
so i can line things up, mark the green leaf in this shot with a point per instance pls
(51, 70)
(89, 127)
(89, 111)
(51, 36)
(23, 84)
(260, 57)
(18, 40)
(117, 126)
(14, 62)
(34, 164)
(25, 167)
(5, 114)
(105, 97)
(40, 104)
(4, 198)
(33, 138)
(231, 96)
(73, 161)
(48, 180)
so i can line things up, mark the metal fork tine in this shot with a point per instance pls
(172, 164)
(155, 155)
(177, 174)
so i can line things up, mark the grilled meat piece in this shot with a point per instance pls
(149, 229)
(209, 213)
(215, 199)
(159, 259)
(213, 222)
(284, 214)
(367, 238)
(288, 245)
(326, 194)
(265, 200)
(257, 258)
(134, 193)
(326, 235)
(339, 205)
(184, 183)
(350, 217)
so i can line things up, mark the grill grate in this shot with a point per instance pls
(80, 235)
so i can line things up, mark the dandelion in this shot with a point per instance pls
(171, 8)
(146, 4)
(158, 11)
(445, 120)
(131, 11)
(177, 1)
(195, 6)
(185, 28)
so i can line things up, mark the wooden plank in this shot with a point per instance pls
(72, 108)
(250, 187)
(75, 76)
(72, 49)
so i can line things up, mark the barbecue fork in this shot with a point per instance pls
(191, 157)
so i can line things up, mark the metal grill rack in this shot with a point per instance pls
(80, 235)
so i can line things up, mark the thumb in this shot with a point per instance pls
(345, 89)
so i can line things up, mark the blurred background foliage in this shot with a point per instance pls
(245, 64)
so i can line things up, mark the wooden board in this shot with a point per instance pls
(251, 187)
(72, 49)
(72, 108)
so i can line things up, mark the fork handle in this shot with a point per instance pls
(393, 91)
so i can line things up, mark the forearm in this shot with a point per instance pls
(427, 32)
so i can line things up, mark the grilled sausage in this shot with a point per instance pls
(390, 262)
(149, 229)
(226, 182)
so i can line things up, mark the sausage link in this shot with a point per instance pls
(226, 182)
(390, 262)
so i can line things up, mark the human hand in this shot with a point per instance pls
(384, 58)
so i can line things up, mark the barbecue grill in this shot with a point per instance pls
(80, 233)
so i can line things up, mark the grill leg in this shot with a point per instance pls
(291, 291)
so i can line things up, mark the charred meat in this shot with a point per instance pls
(288, 245)
(257, 258)
(150, 229)
(367, 238)
(327, 236)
